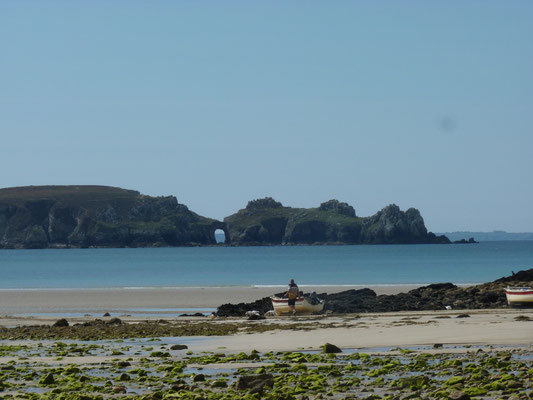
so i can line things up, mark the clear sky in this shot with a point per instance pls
(423, 104)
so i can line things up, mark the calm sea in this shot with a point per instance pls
(249, 266)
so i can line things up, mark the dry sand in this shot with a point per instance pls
(370, 331)
(128, 300)
(484, 327)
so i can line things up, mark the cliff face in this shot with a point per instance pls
(100, 216)
(267, 222)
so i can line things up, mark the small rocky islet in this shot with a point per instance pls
(37, 217)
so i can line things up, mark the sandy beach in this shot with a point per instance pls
(369, 330)
(36, 307)
(134, 305)
(160, 299)
(487, 327)
(397, 353)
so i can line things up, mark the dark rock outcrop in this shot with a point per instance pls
(98, 216)
(433, 297)
(520, 276)
(329, 348)
(61, 323)
(179, 347)
(348, 301)
(268, 222)
(464, 241)
(437, 296)
(237, 310)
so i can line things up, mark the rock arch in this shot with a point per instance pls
(224, 228)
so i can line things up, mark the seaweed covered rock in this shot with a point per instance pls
(61, 323)
(255, 383)
(458, 395)
(329, 348)
(48, 379)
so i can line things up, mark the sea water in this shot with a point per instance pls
(262, 266)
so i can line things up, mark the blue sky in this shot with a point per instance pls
(422, 104)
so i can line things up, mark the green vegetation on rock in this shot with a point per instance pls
(268, 222)
(102, 216)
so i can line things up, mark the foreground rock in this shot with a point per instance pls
(238, 310)
(60, 323)
(458, 395)
(254, 382)
(438, 296)
(329, 348)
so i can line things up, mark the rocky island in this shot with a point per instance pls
(97, 216)
(268, 222)
(101, 216)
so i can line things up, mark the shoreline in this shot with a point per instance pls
(138, 299)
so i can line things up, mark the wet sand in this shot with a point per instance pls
(128, 299)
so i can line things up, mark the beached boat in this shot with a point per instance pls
(519, 296)
(303, 305)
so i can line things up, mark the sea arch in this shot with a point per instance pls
(216, 228)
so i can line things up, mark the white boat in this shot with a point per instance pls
(519, 296)
(303, 305)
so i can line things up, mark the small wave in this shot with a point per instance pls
(207, 287)
(364, 285)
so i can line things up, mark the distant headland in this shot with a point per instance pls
(490, 236)
(101, 216)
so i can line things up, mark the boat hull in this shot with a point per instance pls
(519, 296)
(302, 306)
